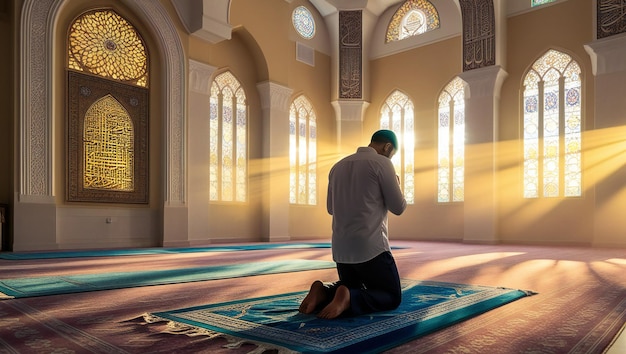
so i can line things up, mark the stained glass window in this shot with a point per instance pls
(414, 17)
(103, 43)
(397, 114)
(303, 22)
(552, 127)
(228, 136)
(451, 143)
(540, 2)
(302, 153)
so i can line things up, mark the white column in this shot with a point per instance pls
(192, 227)
(275, 101)
(604, 147)
(481, 117)
(349, 118)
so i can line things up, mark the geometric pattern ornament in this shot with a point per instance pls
(107, 141)
(414, 17)
(103, 43)
(303, 22)
(108, 100)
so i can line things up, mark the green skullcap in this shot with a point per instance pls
(386, 136)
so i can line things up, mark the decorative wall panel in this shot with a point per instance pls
(350, 54)
(479, 35)
(107, 141)
(611, 17)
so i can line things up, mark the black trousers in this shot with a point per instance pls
(374, 285)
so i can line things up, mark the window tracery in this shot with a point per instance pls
(414, 17)
(397, 114)
(302, 152)
(552, 127)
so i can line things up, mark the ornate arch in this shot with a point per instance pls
(36, 98)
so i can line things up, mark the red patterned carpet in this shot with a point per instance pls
(580, 306)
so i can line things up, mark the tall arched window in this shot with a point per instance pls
(108, 110)
(228, 139)
(397, 114)
(552, 127)
(302, 152)
(414, 17)
(451, 143)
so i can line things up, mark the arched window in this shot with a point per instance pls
(397, 114)
(107, 65)
(451, 143)
(552, 127)
(105, 44)
(302, 153)
(412, 18)
(228, 139)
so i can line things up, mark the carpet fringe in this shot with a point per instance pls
(174, 327)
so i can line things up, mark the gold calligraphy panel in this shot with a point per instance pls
(108, 146)
(107, 154)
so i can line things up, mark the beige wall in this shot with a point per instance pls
(420, 73)
(262, 49)
(530, 35)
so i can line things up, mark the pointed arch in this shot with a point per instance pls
(451, 142)
(228, 140)
(414, 17)
(302, 152)
(36, 97)
(552, 127)
(397, 114)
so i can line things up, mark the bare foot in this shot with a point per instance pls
(340, 303)
(315, 296)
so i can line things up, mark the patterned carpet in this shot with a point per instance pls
(580, 307)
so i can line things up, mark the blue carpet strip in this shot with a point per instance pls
(147, 251)
(53, 285)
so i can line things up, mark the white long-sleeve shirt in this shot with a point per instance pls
(362, 188)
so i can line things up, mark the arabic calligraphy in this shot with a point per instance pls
(350, 54)
(109, 146)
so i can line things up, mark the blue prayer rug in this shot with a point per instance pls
(68, 284)
(274, 321)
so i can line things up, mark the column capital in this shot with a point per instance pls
(274, 95)
(200, 77)
(349, 110)
(484, 82)
(608, 55)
